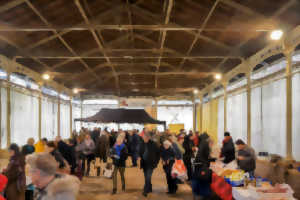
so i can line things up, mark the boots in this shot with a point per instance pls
(114, 191)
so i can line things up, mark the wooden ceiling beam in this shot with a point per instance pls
(10, 5)
(129, 13)
(130, 58)
(236, 49)
(199, 33)
(52, 37)
(175, 52)
(87, 21)
(22, 51)
(155, 27)
(163, 38)
(153, 17)
(61, 39)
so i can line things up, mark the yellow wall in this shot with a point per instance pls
(210, 119)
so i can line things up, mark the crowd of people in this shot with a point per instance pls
(54, 168)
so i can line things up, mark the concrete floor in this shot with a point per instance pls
(94, 188)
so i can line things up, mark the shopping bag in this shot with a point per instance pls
(108, 170)
(179, 170)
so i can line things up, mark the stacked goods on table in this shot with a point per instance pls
(277, 192)
(234, 177)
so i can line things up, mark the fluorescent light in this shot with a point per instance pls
(276, 34)
(46, 76)
(218, 76)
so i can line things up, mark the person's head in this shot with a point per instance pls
(167, 144)
(210, 142)
(30, 141)
(226, 134)
(191, 136)
(181, 139)
(87, 137)
(50, 146)
(197, 133)
(13, 150)
(44, 141)
(57, 138)
(147, 137)
(119, 140)
(41, 168)
(240, 144)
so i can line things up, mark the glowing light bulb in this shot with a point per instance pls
(276, 34)
(46, 76)
(218, 76)
(75, 91)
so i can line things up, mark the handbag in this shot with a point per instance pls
(179, 170)
(202, 172)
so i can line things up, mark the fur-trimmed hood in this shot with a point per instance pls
(65, 185)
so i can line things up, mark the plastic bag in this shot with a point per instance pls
(179, 170)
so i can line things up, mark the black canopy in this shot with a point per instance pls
(122, 115)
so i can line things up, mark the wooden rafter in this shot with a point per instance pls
(163, 38)
(52, 37)
(168, 27)
(199, 32)
(235, 49)
(22, 51)
(87, 21)
(10, 5)
(173, 51)
(62, 39)
(129, 13)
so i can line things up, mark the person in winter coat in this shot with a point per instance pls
(102, 146)
(246, 157)
(3, 182)
(168, 157)
(95, 134)
(201, 187)
(133, 145)
(150, 156)
(177, 148)
(228, 150)
(188, 154)
(87, 147)
(52, 150)
(15, 173)
(29, 147)
(119, 156)
(68, 153)
(48, 184)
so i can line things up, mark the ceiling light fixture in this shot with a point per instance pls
(75, 91)
(196, 91)
(46, 76)
(218, 76)
(276, 34)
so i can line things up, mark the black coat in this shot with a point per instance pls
(228, 151)
(134, 142)
(188, 147)
(167, 154)
(59, 159)
(68, 152)
(102, 146)
(152, 158)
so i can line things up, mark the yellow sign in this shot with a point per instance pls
(175, 128)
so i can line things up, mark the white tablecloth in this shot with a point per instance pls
(243, 194)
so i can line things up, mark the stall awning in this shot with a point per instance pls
(122, 115)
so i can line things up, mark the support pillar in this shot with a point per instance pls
(40, 115)
(58, 116)
(289, 119)
(194, 116)
(0, 119)
(249, 108)
(225, 106)
(200, 113)
(71, 118)
(8, 111)
(81, 114)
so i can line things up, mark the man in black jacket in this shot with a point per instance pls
(134, 140)
(150, 155)
(228, 150)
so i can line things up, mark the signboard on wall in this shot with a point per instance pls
(135, 102)
(175, 128)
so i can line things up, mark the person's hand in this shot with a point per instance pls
(241, 158)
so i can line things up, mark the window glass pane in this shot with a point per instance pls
(24, 117)
(176, 115)
(296, 117)
(3, 118)
(49, 118)
(65, 120)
